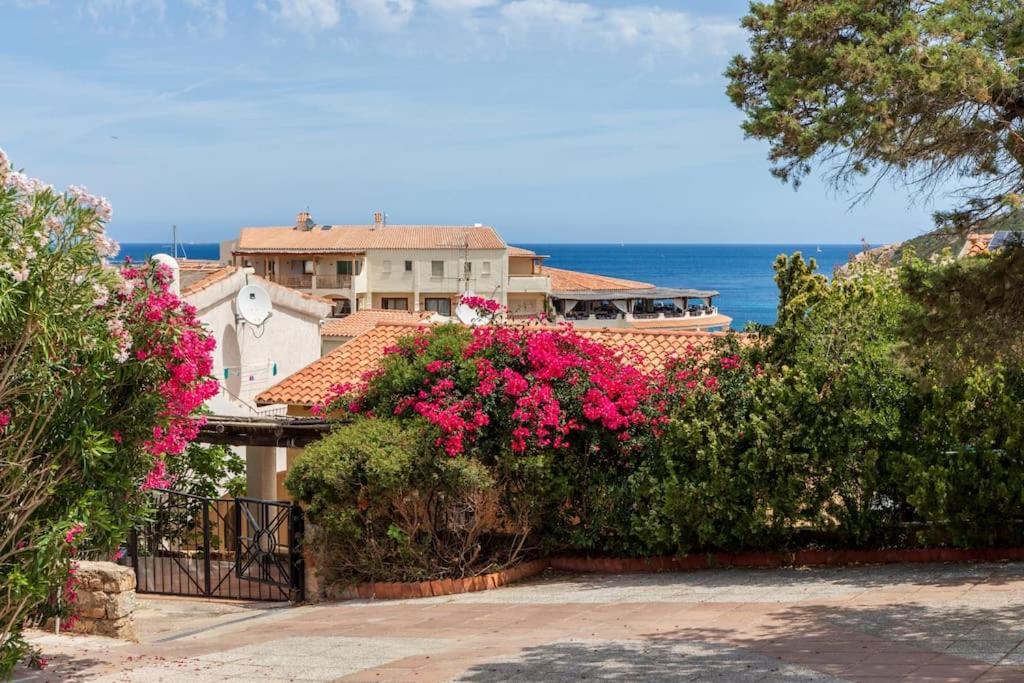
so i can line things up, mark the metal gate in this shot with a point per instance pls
(239, 548)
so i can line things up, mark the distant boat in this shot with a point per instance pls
(819, 250)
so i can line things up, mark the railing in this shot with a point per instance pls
(333, 281)
(697, 312)
(295, 281)
(528, 283)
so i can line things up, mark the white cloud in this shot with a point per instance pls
(308, 15)
(635, 26)
(387, 15)
(99, 9)
(527, 14)
(461, 5)
(213, 17)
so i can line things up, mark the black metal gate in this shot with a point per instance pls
(239, 548)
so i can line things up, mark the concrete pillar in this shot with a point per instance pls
(261, 472)
(415, 286)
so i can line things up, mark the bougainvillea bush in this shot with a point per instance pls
(101, 373)
(559, 422)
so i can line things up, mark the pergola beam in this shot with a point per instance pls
(282, 431)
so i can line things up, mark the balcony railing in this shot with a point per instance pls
(295, 281)
(333, 281)
(305, 281)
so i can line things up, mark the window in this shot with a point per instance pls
(394, 304)
(437, 268)
(344, 267)
(307, 267)
(342, 307)
(246, 263)
(386, 266)
(442, 306)
(408, 266)
(486, 267)
(468, 267)
(359, 266)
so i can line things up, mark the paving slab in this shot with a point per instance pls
(885, 623)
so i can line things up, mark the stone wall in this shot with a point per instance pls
(106, 600)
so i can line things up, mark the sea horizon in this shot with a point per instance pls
(741, 272)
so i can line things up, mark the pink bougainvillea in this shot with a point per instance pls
(533, 388)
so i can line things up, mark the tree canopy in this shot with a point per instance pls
(928, 92)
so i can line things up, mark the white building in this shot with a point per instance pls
(428, 267)
(248, 358)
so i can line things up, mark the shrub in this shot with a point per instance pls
(963, 465)
(100, 374)
(382, 506)
(821, 430)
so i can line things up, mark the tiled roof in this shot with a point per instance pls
(197, 276)
(519, 251)
(365, 319)
(359, 238)
(570, 280)
(196, 279)
(976, 244)
(349, 361)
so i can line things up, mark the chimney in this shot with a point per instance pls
(304, 221)
(378, 219)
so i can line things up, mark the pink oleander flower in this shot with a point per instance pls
(5, 419)
(76, 530)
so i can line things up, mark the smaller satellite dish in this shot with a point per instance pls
(467, 315)
(253, 304)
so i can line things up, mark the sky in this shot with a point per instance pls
(552, 120)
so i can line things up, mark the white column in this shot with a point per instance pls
(261, 472)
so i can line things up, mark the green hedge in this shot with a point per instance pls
(819, 432)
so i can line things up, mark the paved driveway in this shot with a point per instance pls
(921, 623)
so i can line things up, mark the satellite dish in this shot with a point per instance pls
(467, 315)
(253, 304)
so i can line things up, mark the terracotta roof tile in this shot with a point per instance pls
(977, 244)
(571, 280)
(359, 238)
(349, 361)
(366, 319)
(519, 251)
(195, 278)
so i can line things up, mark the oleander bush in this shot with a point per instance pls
(101, 372)
(825, 429)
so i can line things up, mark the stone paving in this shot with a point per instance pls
(914, 623)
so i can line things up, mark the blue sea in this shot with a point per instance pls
(742, 273)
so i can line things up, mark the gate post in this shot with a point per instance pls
(296, 526)
(206, 547)
(133, 550)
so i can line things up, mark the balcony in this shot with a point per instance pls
(528, 284)
(295, 281)
(333, 281)
(305, 281)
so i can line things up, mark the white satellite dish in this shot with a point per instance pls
(253, 304)
(467, 315)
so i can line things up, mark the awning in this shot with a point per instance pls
(649, 293)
